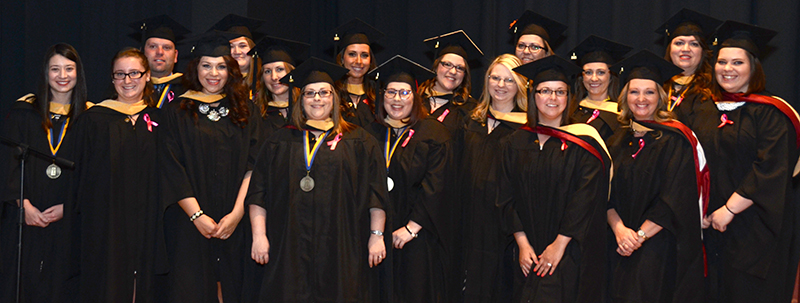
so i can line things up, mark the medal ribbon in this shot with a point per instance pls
(311, 155)
(165, 94)
(390, 148)
(51, 140)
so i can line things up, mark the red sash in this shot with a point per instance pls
(780, 104)
(545, 130)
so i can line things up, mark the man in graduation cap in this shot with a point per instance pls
(533, 34)
(317, 200)
(159, 36)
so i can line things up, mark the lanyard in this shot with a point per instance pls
(51, 139)
(390, 148)
(310, 155)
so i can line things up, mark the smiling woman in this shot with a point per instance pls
(356, 55)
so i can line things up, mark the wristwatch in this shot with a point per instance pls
(642, 234)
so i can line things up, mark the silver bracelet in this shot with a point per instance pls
(196, 215)
(377, 233)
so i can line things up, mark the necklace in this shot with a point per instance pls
(213, 114)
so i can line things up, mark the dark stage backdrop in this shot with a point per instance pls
(98, 28)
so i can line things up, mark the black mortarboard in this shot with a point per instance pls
(243, 26)
(212, 44)
(646, 65)
(314, 70)
(456, 42)
(687, 22)
(355, 32)
(745, 36)
(273, 49)
(161, 26)
(596, 49)
(550, 68)
(531, 23)
(401, 69)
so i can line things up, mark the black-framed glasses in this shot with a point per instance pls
(324, 93)
(403, 93)
(496, 79)
(133, 75)
(533, 47)
(449, 66)
(547, 92)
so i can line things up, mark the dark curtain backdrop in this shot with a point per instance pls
(98, 29)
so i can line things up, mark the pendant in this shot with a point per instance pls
(307, 183)
(53, 171)
(390, 183)
(213, 116)
(203, 108)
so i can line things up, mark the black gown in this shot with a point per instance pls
(755, 259)
(488, 251)
(421, 170)
(166, 92)
(362, 113)
(272, 122)
(207, 160)
(668, 267)
(684, 104)
(549, 191)
(318, 239)
(43, 260)
(603, 120)
(450, 114)
(115, 215)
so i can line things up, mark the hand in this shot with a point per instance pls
(54, 213)
(228, 224)
(627, 241)
(205, 225)
(377, 250)
(549, 259)
(400, 237)
(706, 222)
(33, 216)
(260, 250)
(527, 257)
(720, 219)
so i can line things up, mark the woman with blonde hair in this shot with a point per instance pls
(488, 264)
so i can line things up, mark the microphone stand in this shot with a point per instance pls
(23, 150)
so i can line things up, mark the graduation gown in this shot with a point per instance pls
(361, 112)
(167, 89)
(420, 169)
(755, 259)
(449, 114)
(273, 121)
(115, 217)
(207, 160)
(683, 104)
(668, 267)
(318, 239)
(42, 254)
(602, 118)
(548, 191)
(488, 266)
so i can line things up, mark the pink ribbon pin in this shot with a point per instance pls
(595, 114)
(724, 119)
(410, 134)
(641, 145)
(335, 141)
(170, 96)
(444, 114)
(563, 145)
(150, 123)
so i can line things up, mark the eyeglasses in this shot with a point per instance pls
(403, 93)
(547, 92)
(533, 47)
(121, 76)
(449, 66)
(322, 93)
(496, 79)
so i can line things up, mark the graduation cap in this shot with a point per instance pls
(745, 36)
(314, 70)
(596, 49)
(531, 23)
(161, 26)
(240, 25)
(456, 42)
(273, 49)
(687, 22)
(212, 44)
(355, 32)
(646, 65)
(550, 68)
(400, 69)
